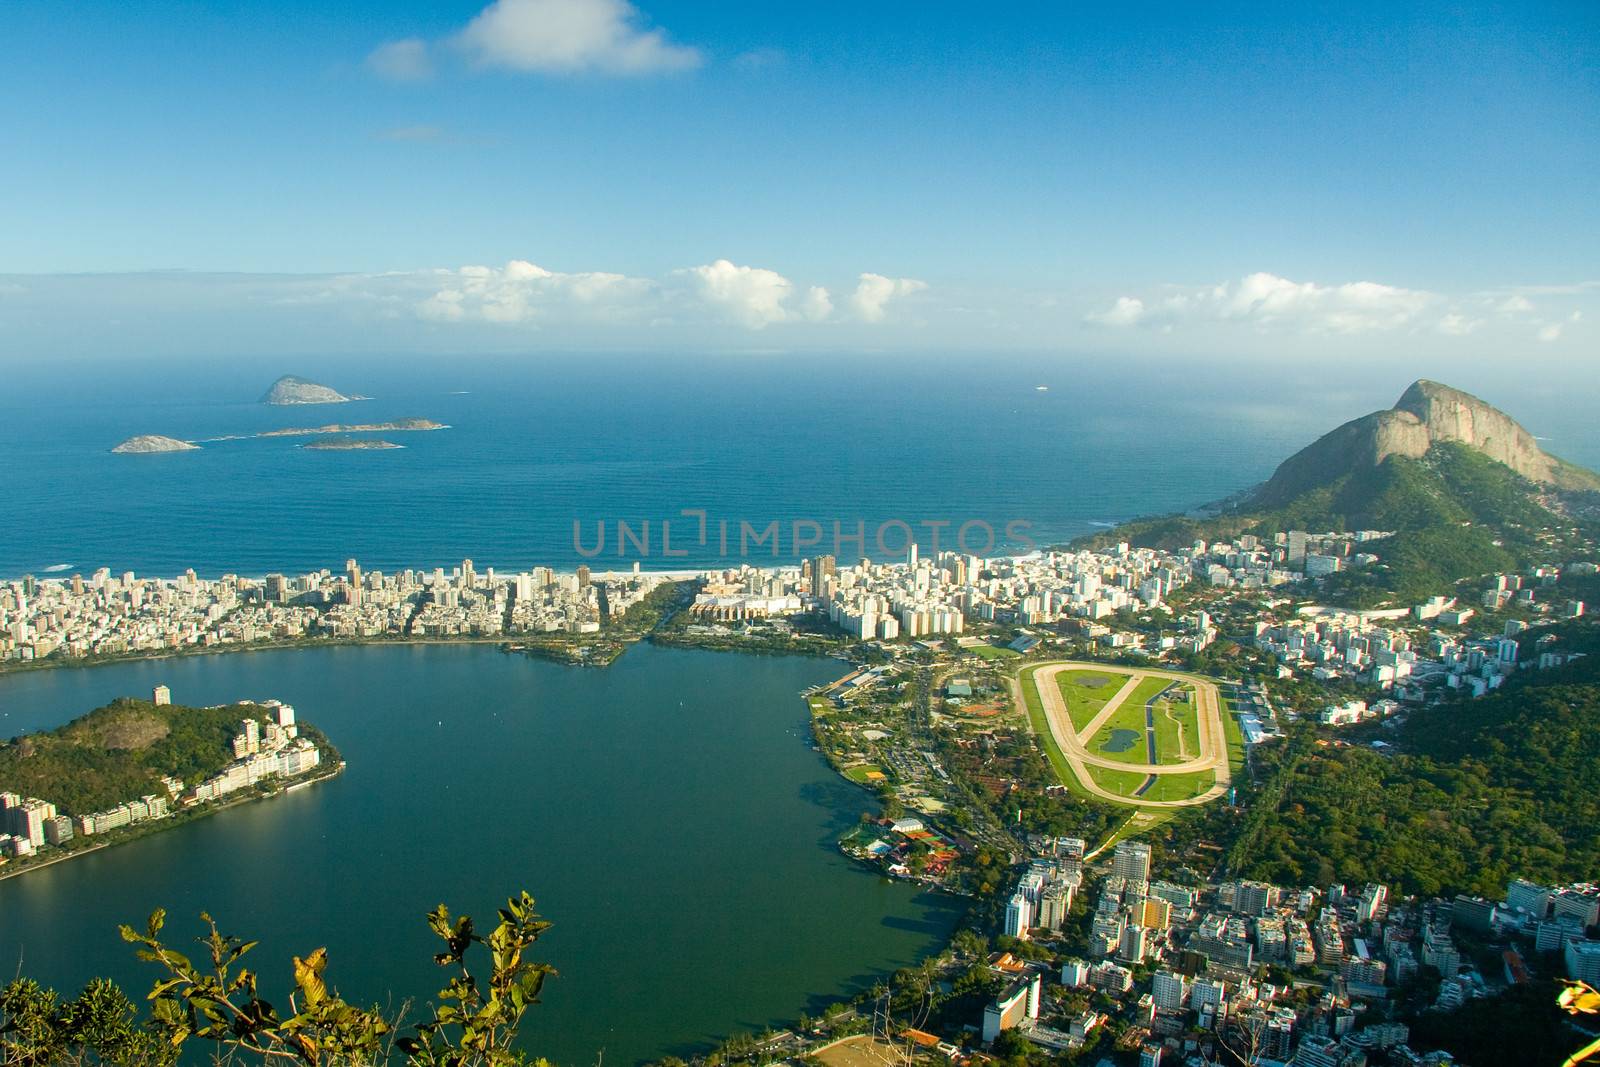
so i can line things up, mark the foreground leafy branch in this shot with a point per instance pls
(217, 1000)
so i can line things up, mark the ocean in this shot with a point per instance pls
(538, 444)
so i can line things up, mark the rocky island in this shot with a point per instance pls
(397, 426)
(147, 443)
(150, 443)
(292, 390)
(350, 444)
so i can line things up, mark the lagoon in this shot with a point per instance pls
(667, 812)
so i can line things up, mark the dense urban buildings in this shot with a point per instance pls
(1267, 974)
(114, 615)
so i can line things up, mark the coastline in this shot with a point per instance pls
(519, 645)
(561, 649)
(51, 663)
(171, 822)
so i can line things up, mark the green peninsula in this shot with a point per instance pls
(132, 765)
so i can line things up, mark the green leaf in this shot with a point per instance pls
(163, 987)
(308, 976)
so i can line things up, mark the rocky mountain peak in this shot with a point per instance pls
(1428, 413)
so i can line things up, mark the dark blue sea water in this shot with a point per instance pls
(539, 442)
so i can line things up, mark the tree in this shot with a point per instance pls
(968, 942)
(97, 1027)
(218, 1001)
(1011, 1045)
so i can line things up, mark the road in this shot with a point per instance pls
(1074, 743)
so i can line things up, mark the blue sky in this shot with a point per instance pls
(1353, 177)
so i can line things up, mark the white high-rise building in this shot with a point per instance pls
(1019, 916)
(1374, 899)
(1583, 961)
(1528, 897)
(1578, 904)
(1131, 861)
(1168, 990)
(1207, 993)
(1134, 945)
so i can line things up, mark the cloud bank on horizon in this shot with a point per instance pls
(720, 292)
(1268, 303)
(521, 305)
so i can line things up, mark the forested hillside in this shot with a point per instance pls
(1483, 791)
(1455, 514)
(120, 751)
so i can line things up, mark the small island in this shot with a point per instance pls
(136, 766)
(351, 444)
(153, 443)
(292, 390)
(397, 426)
(150, 443)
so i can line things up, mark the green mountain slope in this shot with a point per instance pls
(1465, 489)
(1484, 791)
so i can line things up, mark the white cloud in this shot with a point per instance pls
(568, 36)
(1454, 324)
(1125, 312)
(874, 291)
(754, 296)
(402, 61)
(522, 292)
(527, 305)
(1269, 301)
(817, 304)
(1554, 330)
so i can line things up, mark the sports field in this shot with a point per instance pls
(1140, 736)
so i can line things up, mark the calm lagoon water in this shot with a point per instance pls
(667, 812)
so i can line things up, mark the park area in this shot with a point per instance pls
(1138, 736)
